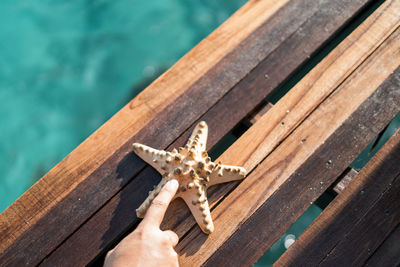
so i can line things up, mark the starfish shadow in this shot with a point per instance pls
(196, 242)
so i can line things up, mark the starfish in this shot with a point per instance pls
(195, 172)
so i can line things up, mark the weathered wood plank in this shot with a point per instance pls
(235, 220)
(119, 212)
(367, 234)
(388, 254)
(346, 209)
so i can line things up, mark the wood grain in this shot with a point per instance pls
(116, 216)
(284, 165)
(369, 232)
(346, 209)
(388, 253)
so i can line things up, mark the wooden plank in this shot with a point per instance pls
(309, 167)
(98, 168)
(388, 254)
(346, 209)
(367, 234)
(117, 215)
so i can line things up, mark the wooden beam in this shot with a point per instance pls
(309, 166)
(369, 232)
(117, 215)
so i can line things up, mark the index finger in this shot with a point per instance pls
(159, 205)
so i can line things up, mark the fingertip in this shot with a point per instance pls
(159, 205)
(172, 185)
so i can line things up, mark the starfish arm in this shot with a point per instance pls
(152, 156)
(224, 173)
(141, 211)
(200, 209)
(198, 139)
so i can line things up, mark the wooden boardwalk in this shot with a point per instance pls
(294, 150)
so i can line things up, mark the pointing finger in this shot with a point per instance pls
(159, 205)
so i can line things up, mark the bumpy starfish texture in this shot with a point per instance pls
(193, 169)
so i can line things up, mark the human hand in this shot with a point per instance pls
(148, 245)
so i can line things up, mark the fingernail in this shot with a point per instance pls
(172, 184)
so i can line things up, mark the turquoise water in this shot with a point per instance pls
(284, 242)
(68, 66)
